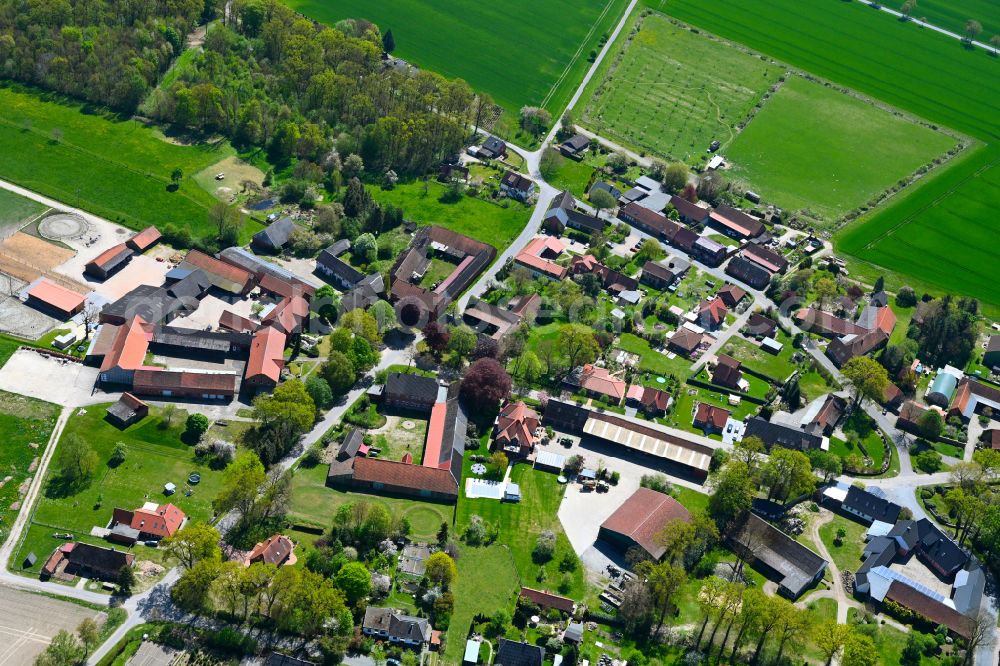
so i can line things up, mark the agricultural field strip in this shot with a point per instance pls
(918, 76)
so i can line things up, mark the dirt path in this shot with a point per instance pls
(839, 595)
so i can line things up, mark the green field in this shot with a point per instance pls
(951, 221)
(847, 556)
(155, 456)
(314, 504)
(815, 148)
(491, 223)
(15, 209)
(117, 169)
(521, 52)
(27, 425)
(952, 14)
(673, 92)
(927, 74)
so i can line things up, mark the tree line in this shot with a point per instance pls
(268, 77)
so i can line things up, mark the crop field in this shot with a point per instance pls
(520, 52)
(113, 168)
(916, 70)
(952, 14)
(816, 148)
(672, 92)
(944, 233)
(15, 210)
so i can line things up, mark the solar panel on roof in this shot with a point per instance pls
(909, 582)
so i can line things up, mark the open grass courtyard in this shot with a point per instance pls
(816, 149)
(672, 92)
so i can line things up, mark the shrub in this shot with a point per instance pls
(545, 547)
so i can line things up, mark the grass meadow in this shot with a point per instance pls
(520, 52)
(672, 92)
(27, 425)
(488, 222)
(15, 209)
(118, 169)
(923, 234)
(815, 148)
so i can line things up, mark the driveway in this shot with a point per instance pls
(54, 380)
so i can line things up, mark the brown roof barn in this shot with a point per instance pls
(640, 519)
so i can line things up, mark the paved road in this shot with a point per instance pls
(933, 27)
(616, 147)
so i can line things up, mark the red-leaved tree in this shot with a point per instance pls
(485, 384)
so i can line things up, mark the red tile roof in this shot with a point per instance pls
(715, 309)
(825, 323)
(234, 322)
(128, 351)
(288, 315)
(267, 354)
(731, 295)
(517, 421)
(214, 266)
(599, 380)
(59, 297)
(275, 550)
(932, 609)
(643, 516)
(162, 522)
(415, 477)
(108, 255)
(711, 415)
(284, 288)
(548, 600)
(145, 238)
(765, 258)
(737, 220)
(435, 436)
(155, 380)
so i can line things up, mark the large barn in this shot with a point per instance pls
(637, 522)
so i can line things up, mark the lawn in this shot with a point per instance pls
(682, 412)
(521, 53)
(672, 92)
(777, 366)
(496, 224)
(847, 556)
(487, 581)
(314, 504)
(115, 168)
(15, 209)
(155, 456)
(925, 233)
(570, 175)
(520, 524)
(653, 361)
(437, 271)
(816, 149)
(27, 425)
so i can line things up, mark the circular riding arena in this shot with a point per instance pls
(63, 226)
